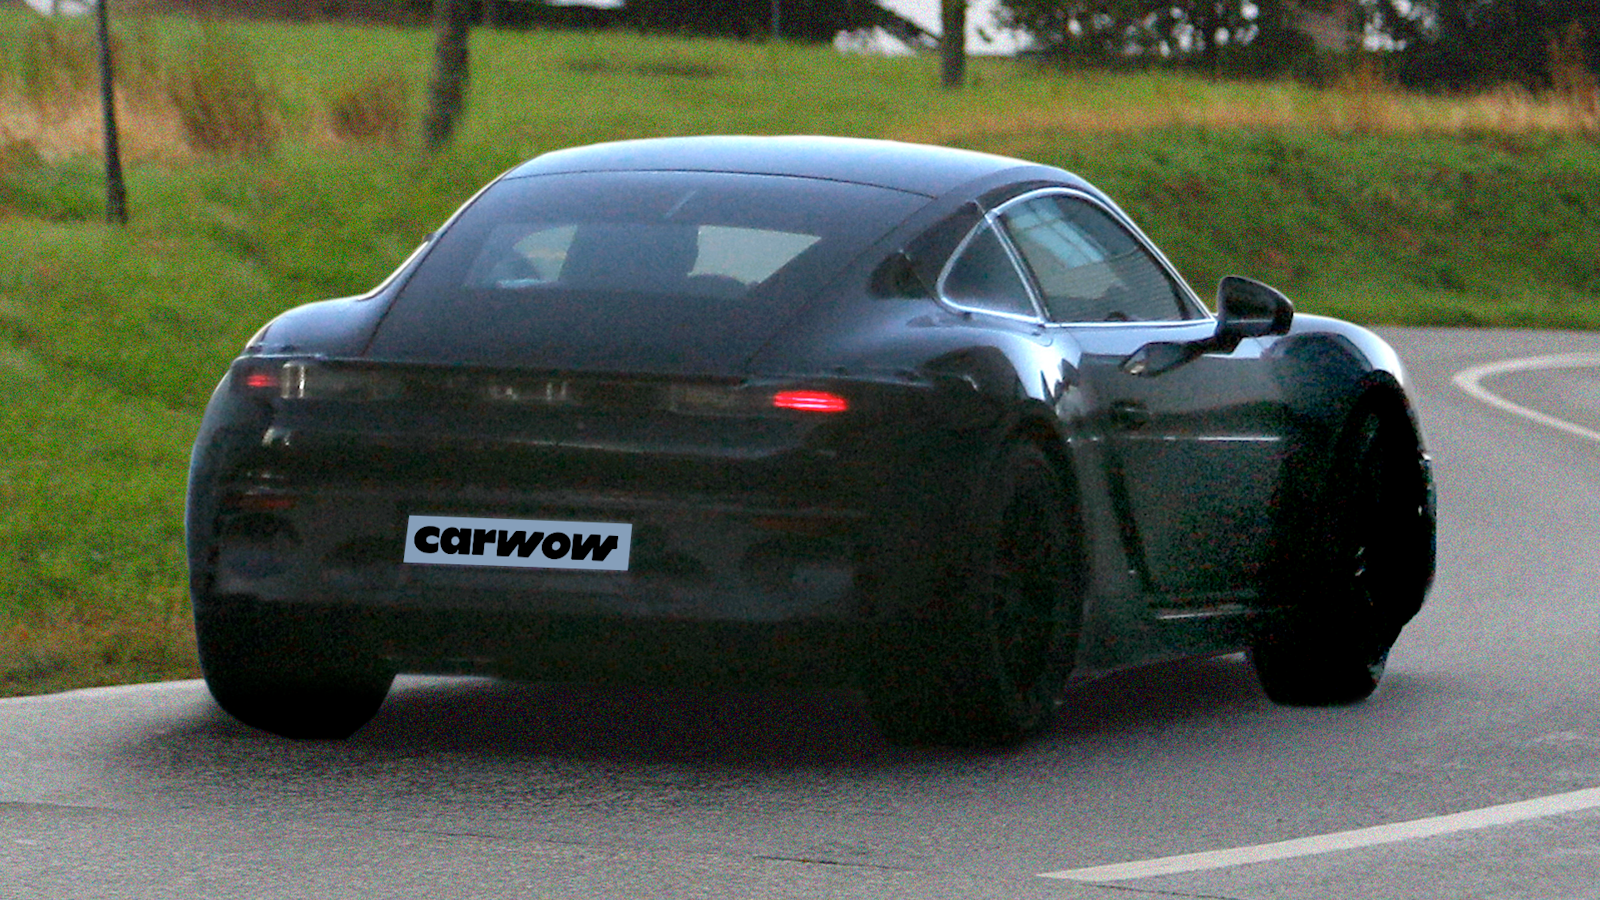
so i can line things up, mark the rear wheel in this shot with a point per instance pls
(298, 676)
(1331, 644)
(985, 665)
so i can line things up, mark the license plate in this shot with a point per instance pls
(518, 543)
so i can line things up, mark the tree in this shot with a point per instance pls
(116, 192)
(952, 43)
(815, 21)
(447, 91)
(1252, 36)
(1461, 44)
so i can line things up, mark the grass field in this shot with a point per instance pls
(1356, 201)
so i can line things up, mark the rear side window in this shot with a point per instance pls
(983, 277)
(1088, 267)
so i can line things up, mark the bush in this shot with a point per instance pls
(1572, 78)
(222, 101)
(54, 60)
(377, 110)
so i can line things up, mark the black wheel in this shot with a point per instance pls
(294, 675)
(1330, 644)
(984, 665)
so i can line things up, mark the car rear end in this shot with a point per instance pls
(550, 458)
(491, 520)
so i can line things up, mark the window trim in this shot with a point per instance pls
(1165, 265)
(990, 221)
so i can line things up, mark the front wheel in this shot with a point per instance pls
(983, 664)
(295, 675)
(1330, 645)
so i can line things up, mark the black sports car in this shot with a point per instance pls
(942, 425)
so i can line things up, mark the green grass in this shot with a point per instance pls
(1383, 209)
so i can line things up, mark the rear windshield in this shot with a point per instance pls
(570, 259)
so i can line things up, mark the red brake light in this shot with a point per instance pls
(810, 401)
(261, 381)
(248, 502)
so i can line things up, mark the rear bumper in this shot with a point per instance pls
(570, 648)
(692, 560)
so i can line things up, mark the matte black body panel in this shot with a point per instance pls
(1196, 490)
(932, 171)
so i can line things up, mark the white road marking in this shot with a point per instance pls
(1539, 807)
(1470, 380)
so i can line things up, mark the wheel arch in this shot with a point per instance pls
(1362, 561)
(1305, 532)
(1382, 393)
(1386, 398)
(1037, 428)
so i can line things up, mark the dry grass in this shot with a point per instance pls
(65, 655)
(1512, 110)
(1571, 78)
(222, 100)
(1360, 103)
(174, 99)
(211, 96)
(54, 62)
(148, 129)
(373, 111)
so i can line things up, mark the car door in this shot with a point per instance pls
(1194, 452)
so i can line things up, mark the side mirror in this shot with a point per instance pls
(1247, 308)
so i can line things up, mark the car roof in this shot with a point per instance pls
(913, 168)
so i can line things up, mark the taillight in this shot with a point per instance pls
(261, 381)
(257, 377)
(810, 401)
(258, 501)
(750, 400)
(335, 380)
(299, 379)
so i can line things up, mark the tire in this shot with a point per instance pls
(294, 675)
(984, 665)
(1330, 645)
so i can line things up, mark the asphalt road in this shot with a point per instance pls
(467, 788)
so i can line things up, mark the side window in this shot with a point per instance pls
(1088, 267)
(983, 277)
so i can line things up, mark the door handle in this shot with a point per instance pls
(1129, 414)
